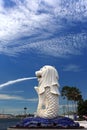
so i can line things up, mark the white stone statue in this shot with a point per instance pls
(48, 92)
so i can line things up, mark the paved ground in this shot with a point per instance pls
(45, 129)
(83, 123)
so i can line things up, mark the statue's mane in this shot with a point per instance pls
(49, 78)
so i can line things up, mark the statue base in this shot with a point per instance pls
(42, 123)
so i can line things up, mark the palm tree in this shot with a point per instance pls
(65, 94)
(75, 96)
(82, 108)
(71, 94)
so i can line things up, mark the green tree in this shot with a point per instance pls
(75, 96)
(71, 94)
(65, 94)
(82, 108)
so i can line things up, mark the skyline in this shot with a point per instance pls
(37, 33)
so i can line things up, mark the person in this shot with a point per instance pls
(85, 117)
(75, 116)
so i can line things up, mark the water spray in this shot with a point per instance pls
(16, 81)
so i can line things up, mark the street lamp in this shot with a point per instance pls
(25, 109)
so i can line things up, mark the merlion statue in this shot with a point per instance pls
(48, 105)
(48, 93)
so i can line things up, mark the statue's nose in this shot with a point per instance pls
(38, 73)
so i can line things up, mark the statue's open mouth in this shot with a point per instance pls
(39, 76)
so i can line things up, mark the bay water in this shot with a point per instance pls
(5, 123)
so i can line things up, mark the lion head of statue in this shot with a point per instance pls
(48, 77)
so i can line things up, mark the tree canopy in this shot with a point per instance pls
(71, 94)
(82, 108)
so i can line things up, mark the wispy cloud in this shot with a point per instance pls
(72, 44)
(72, 67)
(39, 20)
(18, 98)
(8, 97)
(12, 92)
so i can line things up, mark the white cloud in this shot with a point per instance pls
(72, 67)
(39, 20)
(8, 97)
(20, 20)
(33, 100)
(18, 98)
(72, 10)
(12, 92)
(1, 5)
(58, 47)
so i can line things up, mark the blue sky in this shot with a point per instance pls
(34, 33)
